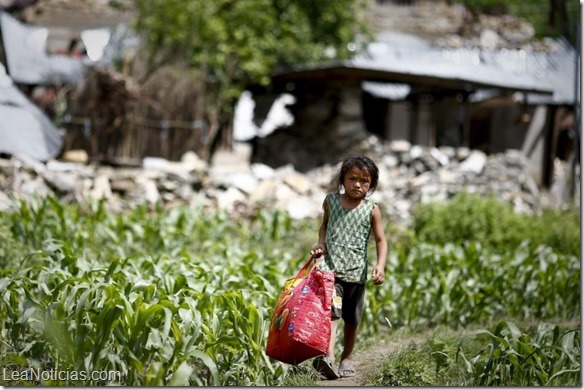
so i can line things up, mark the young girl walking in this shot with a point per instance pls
(348, 219)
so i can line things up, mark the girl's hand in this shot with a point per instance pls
(317, 251)
(378, 275)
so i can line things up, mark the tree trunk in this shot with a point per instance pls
(559, 14)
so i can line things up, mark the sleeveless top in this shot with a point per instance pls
(346, 240)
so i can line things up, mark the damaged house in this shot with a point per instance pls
(45, 54)
(403, 88)
(25, 128)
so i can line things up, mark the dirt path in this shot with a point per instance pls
(364, 361)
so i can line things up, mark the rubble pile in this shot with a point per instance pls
(103, 8)
(409, 175)
(454, 25)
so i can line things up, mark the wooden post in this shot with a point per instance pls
(414, 113)
(465, 121)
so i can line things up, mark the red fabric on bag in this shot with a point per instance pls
(301, 324)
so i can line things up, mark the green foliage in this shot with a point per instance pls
(302, 375)
(536, 12)
(551, 357)
(185, 296)
(464, 218)
(244, 40)
(442, 347)
(459, 285)
(548, 355)
(486, 6)
(409, 366)
(233, 43)
(10, 248)
(165, 297)
(492, 222)
(558, 229)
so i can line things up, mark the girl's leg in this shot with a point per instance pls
(333, 340)
(353, 302)
(346, 368)
(350, 335)
(325, 364)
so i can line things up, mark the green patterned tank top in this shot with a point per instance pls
(347, 234)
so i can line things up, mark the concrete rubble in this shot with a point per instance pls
(409, 175)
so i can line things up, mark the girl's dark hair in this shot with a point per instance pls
(362, 162)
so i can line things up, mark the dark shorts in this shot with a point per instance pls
(348, 301)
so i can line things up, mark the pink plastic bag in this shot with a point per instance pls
(301, 324)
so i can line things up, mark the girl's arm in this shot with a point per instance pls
(319, 249)
(381, 245)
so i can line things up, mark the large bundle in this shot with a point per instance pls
(301, 324)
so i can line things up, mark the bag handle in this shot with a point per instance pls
(304, 271)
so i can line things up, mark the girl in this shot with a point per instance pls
(348, 219)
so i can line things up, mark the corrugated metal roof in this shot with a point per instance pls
(521, 69)
(407, 58)
(24, 128)
(26, 57)
(557, 68)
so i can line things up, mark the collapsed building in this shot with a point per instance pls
(450, 93)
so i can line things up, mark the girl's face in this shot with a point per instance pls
(357, 183)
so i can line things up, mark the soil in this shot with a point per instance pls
(365, 361)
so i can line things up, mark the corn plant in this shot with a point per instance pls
(184, 296)
(459, 285)
(183, 299)
(551, 357)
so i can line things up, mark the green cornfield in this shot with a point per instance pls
(183, 296)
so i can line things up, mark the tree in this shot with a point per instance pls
(231, 44)
(558, 15)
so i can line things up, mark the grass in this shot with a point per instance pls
(443, 356)
(302, 375)
(501, 354)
